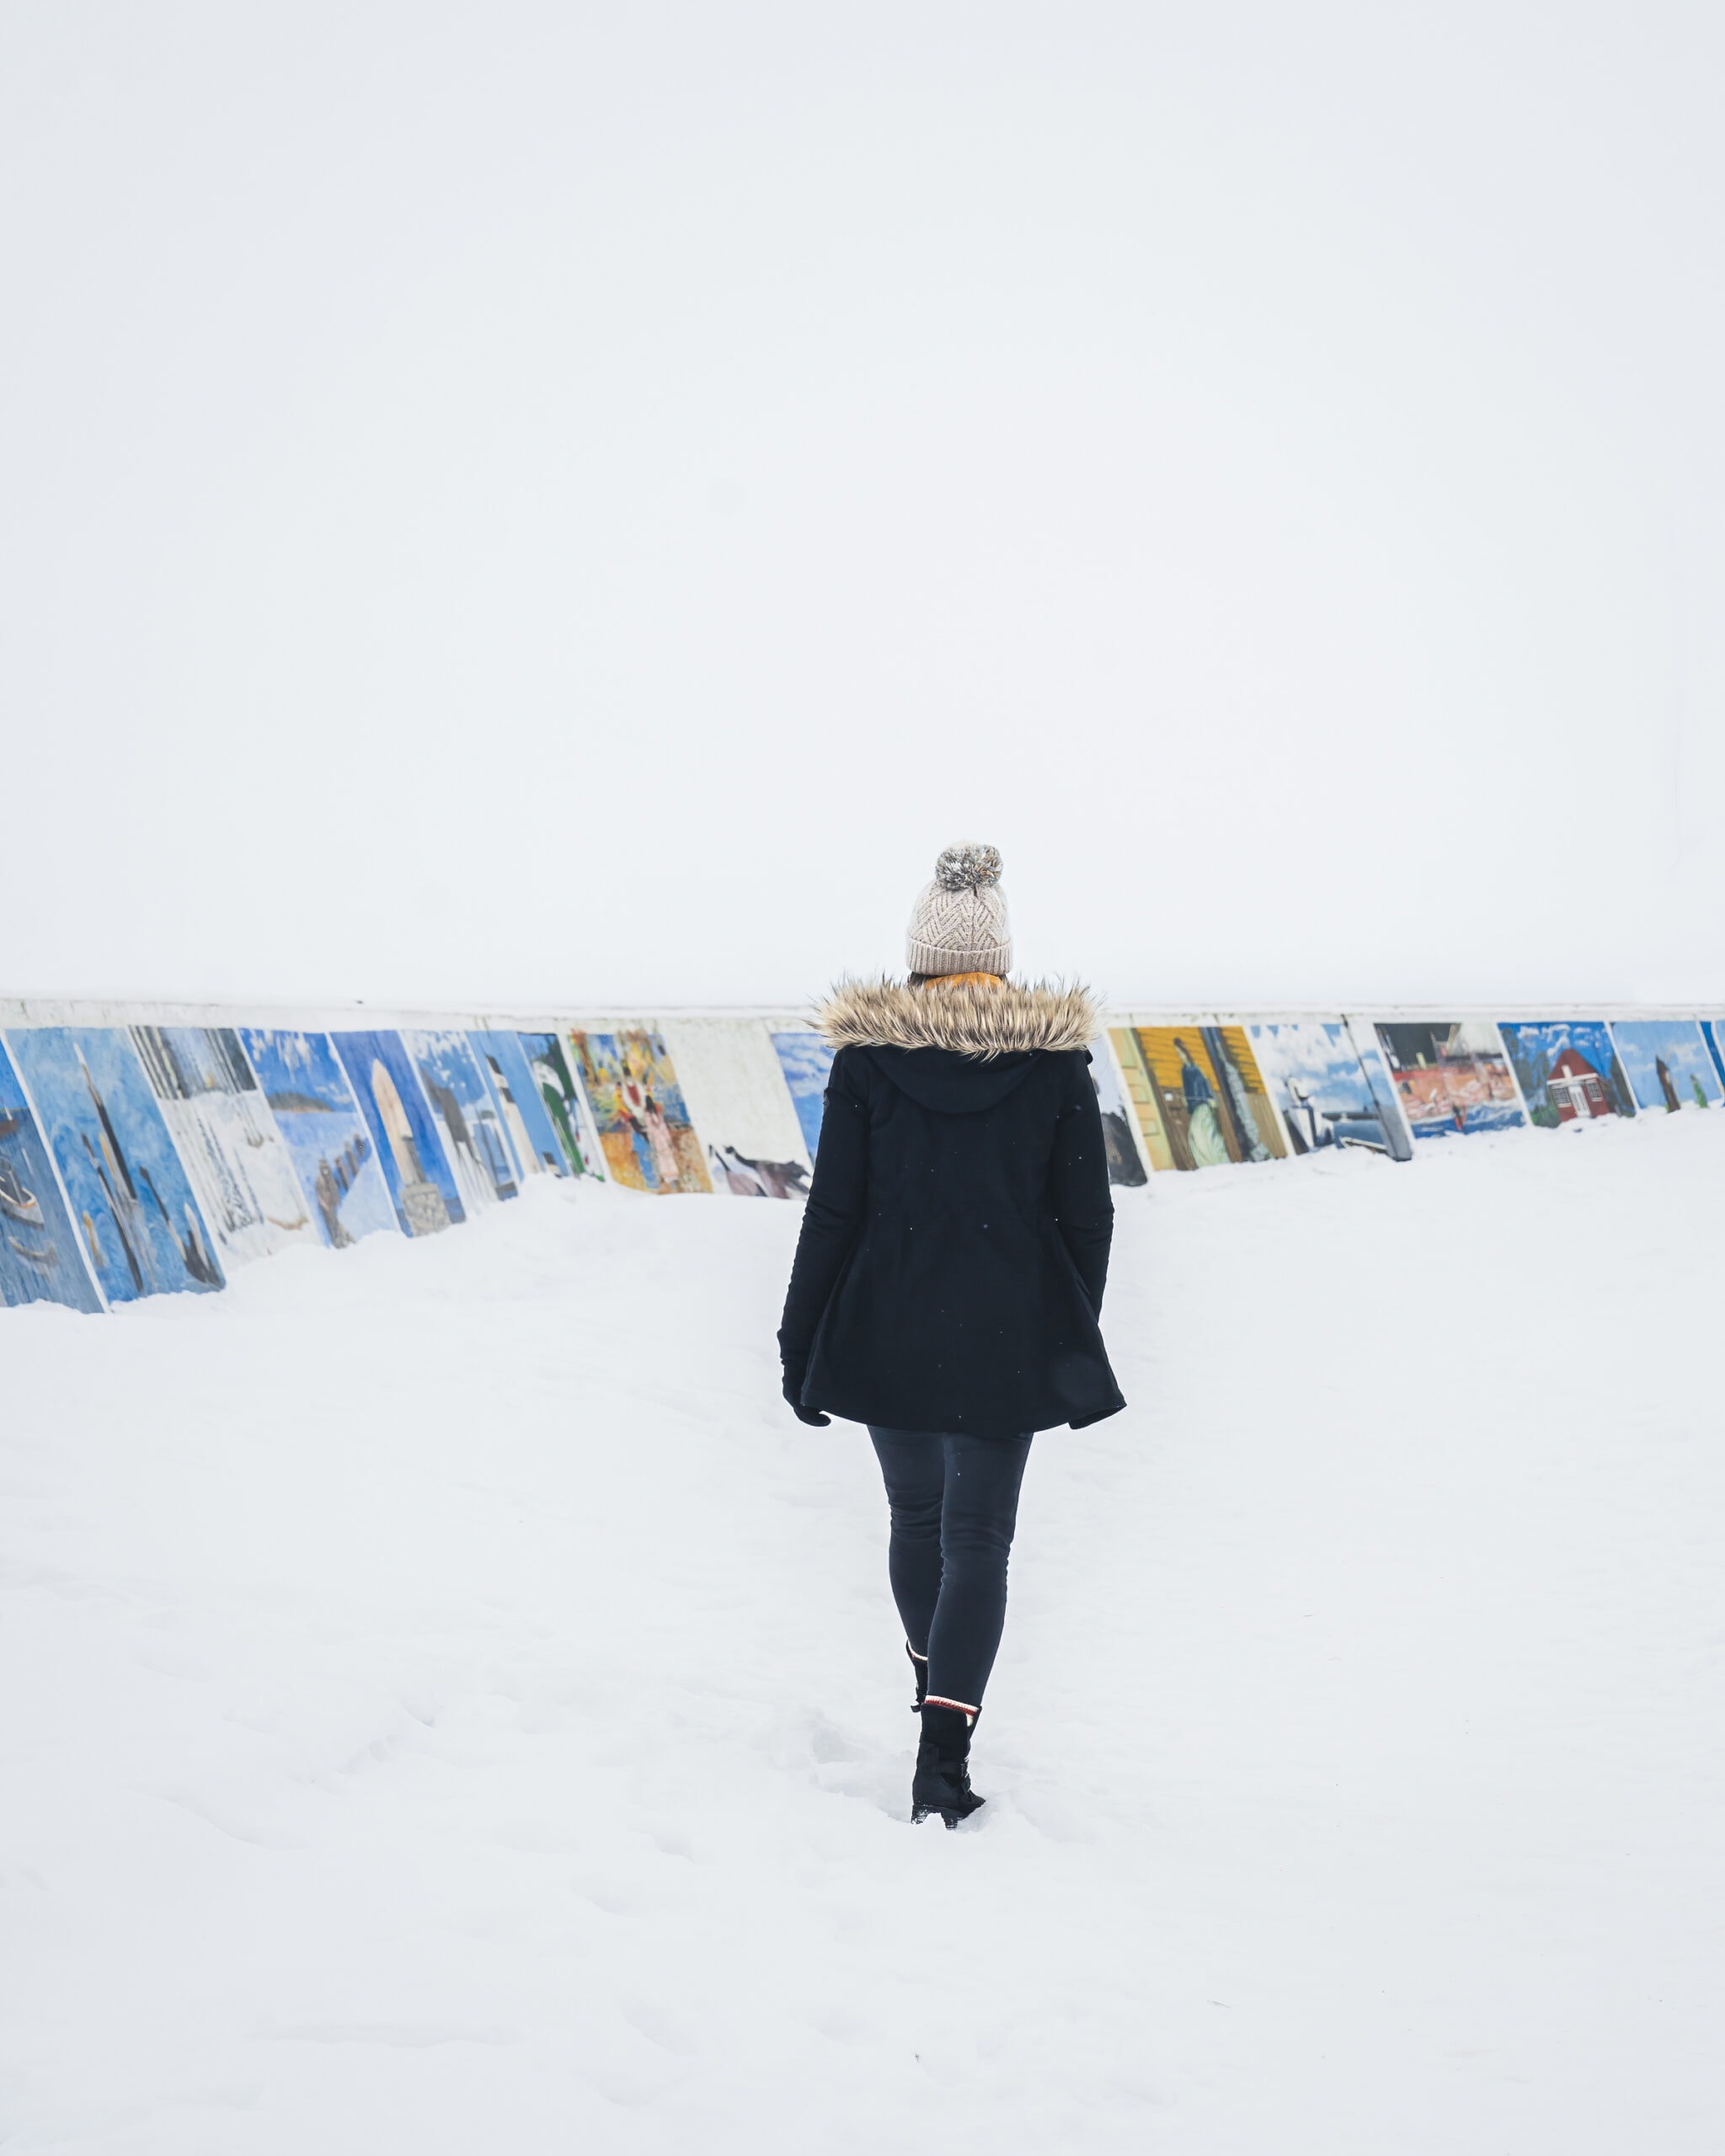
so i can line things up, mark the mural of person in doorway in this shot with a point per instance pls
(1199, 1095)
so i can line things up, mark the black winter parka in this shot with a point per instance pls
(955, 1244)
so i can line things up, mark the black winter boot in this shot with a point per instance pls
(942, 1782)
(919, 1667)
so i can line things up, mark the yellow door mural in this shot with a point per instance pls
(1200, 1097)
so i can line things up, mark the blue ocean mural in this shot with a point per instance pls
(537, 1146)
(1667, 1063)
(422, 1186)
(1331, 1096)
(42, 1257)
(564, 1108)
(807, 1062)
(129, 1193)
(470, 1115)
(1567, 1069)
(334, 1156)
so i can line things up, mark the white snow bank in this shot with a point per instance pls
(449, 1706)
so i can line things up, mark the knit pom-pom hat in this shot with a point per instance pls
(960, 924)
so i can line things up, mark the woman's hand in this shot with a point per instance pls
(793, 1396)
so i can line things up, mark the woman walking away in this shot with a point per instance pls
(950, 1272)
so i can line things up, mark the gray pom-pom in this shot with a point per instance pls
(968, 867)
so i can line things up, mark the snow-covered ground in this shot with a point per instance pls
(449, 1706)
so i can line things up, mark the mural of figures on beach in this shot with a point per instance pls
(1125, 1165)
(1199, 1095)
(806, 1061)
(1567, 1069)
(1667, 1063)
(643, 1125)
(41, 1258)
(729, 1073)
(334, 1157)
(1451, 1079)
(422, 1185)
(228, 1139)
(141, 1229)
(1332, 1096)
(537, 1147)
(564, 1109)
(474, 1137)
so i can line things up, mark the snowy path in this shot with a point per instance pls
(448, 1706)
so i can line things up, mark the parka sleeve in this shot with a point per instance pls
(1078, 1176)
(832, 1218)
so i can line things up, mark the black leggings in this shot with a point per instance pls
(954, 1503)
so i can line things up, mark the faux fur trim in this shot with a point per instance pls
(971, 1019)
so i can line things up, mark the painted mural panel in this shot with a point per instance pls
(1332, 1098)
(564, 1109)
(422, 1185)
(228, 1139)
(1200, 1097)
(731, 1078)
(1452, 1078)
(806, 1061)
(130, 1198)
(638, 1109)
(475, 1141)
(334, 1157)
(1125, 1164)
(41, 1258)
(516, 1093)
(1567, 1069)
(1667, 1063)
(1713, 1033)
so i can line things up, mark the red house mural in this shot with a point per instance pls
(1576, 1088)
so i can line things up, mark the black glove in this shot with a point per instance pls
(793, 1395)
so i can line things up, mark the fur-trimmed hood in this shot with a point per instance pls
(970, 1018)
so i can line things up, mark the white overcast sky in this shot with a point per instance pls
(565, 503)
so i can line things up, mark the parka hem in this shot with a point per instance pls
(883, 1417)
